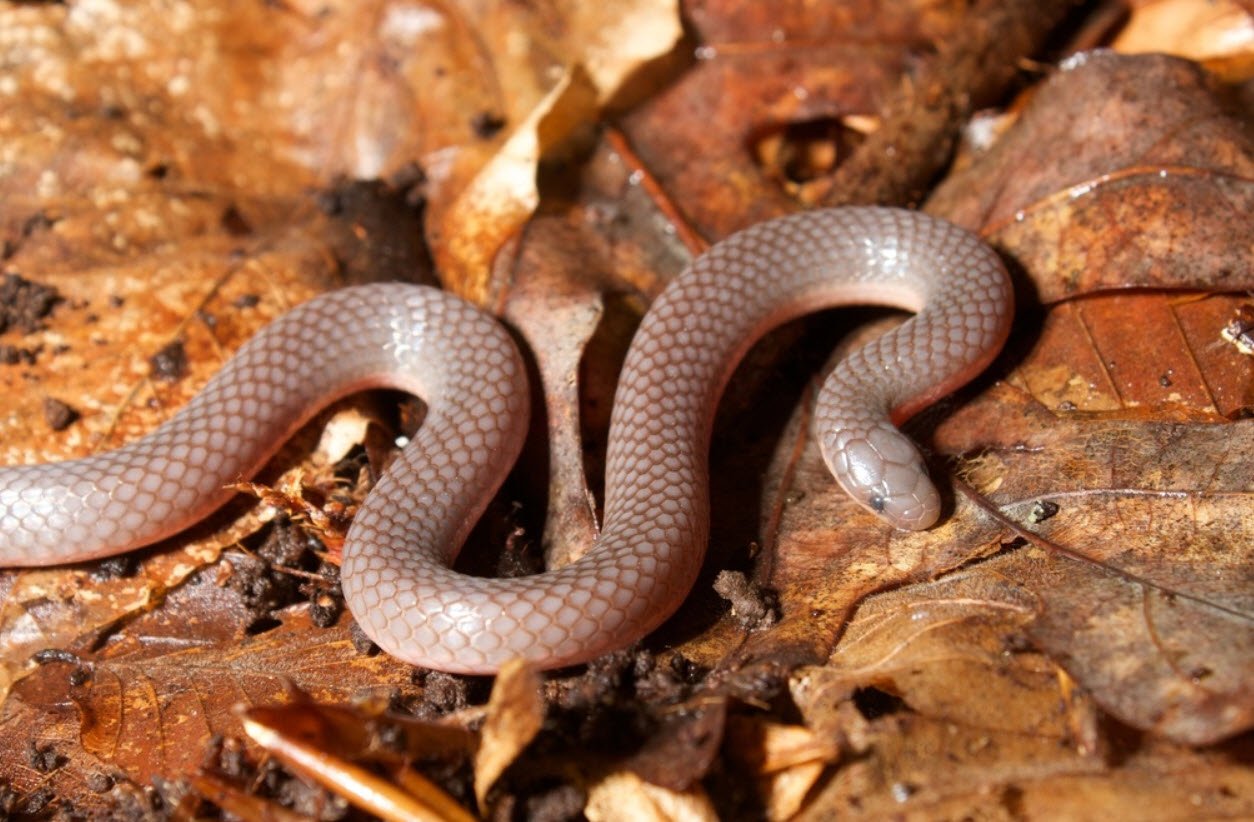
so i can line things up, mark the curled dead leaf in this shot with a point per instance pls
(493, 204)
(513, 717)
(490, 195)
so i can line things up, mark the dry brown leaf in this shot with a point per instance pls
(557, 313)
(514, 714)
(149, 707)
(918, 768)
(1149, 610)
(1172, 362)
(1157, 618)
(72, 610)
(934, 645)
(368, 731)
(493, 205)
(961, 713)
(745, 90)
(489, 194)
(564, 299)
(1147, 188)
(336, 747)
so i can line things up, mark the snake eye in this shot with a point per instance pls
(877, 503)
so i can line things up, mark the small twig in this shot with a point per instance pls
(694, 242)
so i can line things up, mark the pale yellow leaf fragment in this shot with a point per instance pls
(603, 46)
(514, 714)
(622, 38)
(1217, 33)
(502, 196)
(625, 796)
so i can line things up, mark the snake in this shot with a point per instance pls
(397, 566)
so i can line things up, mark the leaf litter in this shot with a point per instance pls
(1073, 641)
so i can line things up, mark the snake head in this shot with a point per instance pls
(884, 472)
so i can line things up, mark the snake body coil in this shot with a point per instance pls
(396, 571)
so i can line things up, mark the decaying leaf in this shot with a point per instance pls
(73, 611)
(1092, 191)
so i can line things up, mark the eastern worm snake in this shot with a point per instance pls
(396, 568)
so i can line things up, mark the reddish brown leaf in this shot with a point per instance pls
(1147, 188)
(150, 709)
